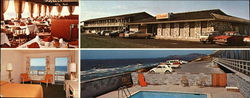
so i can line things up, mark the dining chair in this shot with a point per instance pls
(25, 78)
(47, 79)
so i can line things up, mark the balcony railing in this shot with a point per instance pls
(104, 24)
(242, 66)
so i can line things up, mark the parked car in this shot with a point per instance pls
(126, 34)
(174, 63)
(209, 37)
(104, 33)
(162, 68)
(247, 40)
(140, 34)
(115, 33)
(229, 38)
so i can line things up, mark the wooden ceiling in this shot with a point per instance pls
(57, 2)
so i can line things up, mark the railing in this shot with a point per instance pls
(242, 66)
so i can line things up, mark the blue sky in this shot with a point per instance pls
(96, 8)
(118, 54)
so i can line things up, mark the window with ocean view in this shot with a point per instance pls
(61, 65)
(37, 66)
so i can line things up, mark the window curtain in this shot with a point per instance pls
(47, 65)
(19, 7)
(59, 10)
(71, 9)
(39, 9)
(4, 7)
(50, 9)
(31, 8)
(27, 64)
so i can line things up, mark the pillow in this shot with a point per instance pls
(33, 45)
(48, 39)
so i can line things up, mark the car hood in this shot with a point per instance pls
(222, 37)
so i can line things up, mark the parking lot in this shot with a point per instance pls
(96, 41)
(198, 67)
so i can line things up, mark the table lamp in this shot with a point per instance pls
(9, 68)
(72, 70)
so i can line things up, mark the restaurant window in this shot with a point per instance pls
(37, 66)
(26, 12)
(65, 11)
(35, 13)
(42, 10)
(10, 13)
(54, 11)
(76, 11)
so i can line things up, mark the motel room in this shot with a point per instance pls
(39, 23)
(39, 74)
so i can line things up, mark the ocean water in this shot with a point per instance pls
(91, 69)
(58, 68)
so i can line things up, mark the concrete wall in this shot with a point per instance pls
(235, 81)
(96, 87)
(173, 79)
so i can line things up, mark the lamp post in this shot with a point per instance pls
(9, 69)
(72, 70)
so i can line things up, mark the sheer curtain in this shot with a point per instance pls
(26, 12)
(54, 11)
(65, 11)
(35, 13)
(76, 11)
(4, 7)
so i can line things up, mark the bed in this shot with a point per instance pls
(20, 90)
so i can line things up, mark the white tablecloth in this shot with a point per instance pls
(41, 43)
(4, 39)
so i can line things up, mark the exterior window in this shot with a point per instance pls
(37, 66)
(61, 68)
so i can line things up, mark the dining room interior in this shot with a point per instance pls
(39, 23)
(39, 73)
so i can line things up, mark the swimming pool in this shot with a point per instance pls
(154, 94)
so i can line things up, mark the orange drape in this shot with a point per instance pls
(50, 9)
(45, 9)
(31, 8)
(59, 10)
(71, 9)
(39, 7)
(27, 64)
(19, 7)
(4, 7)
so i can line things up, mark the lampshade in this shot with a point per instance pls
(9, 66)
(72, 67)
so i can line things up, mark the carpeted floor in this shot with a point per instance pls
(53, 91)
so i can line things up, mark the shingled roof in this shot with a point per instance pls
(144, 14)
(204, 15)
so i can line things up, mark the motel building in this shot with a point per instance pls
(183, 26)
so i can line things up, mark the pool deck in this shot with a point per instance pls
(213, 92)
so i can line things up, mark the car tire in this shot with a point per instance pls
(152, 71)
(167, 72)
